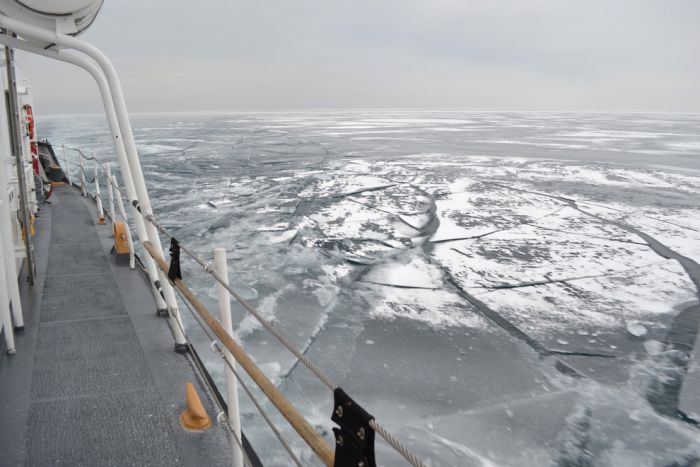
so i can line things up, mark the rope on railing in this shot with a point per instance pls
(197, 363)
(275, 332)
(254, 400)
(288, 411)
(320, 374)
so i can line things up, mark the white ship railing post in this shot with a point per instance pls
(98, 199)
(231, 385)
(122, 213)
(65, 164)
(110, 191)
(82, 175)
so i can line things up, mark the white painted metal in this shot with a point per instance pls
(66, 16)
(110, 191)
(115, 109)
(102, 85)
(98, 198)
(8, 330)
(82, 175)
(231, 385)
(20, 164)
(7, 245)
(65, 165)
(122, 213)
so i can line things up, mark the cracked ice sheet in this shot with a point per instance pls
(678, 229)
(392, 170)
(413, 271)
(607, 175)
(485, 208)
(436, 308)
(550, 429)
(592, 315)
(347, 219)
(397, 199)
(569, 220)
(528, 254)
(341, 184)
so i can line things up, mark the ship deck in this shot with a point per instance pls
(95, 380)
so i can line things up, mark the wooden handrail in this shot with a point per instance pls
(288, 411)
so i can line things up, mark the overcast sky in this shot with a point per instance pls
(632, 55)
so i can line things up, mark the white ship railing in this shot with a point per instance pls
(147, 229)
(220, 333)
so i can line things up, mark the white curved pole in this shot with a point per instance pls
(110, 191)
(125, 167)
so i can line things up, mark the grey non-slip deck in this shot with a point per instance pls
(95, 380)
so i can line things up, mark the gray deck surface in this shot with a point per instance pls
(95, 380)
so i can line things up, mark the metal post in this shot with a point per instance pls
(231, 385)
(15, 137)
(122, 213)
(5, 307)
(82, 175)
(65, 163)
(98, 199)
(110, 192)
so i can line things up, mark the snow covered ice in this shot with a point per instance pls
(496, 288)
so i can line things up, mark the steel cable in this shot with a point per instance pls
(202, 371)
(245, 387)
(318, 372)
(388, 437)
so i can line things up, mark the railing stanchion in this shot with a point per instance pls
(231, 385)
(98, 199)
(65, 164)
(122, 213)
(82, 175)
(110, 190)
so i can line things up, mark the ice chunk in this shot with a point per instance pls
(636, 328)
(417, 272)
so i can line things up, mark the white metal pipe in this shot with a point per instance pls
(8, 330)
(231, 385)
(98, 198)
(117, 98)
(82, 175)
(110, 191)
(65, 164)
(122, 117)
(105, 94)
(115, 88)
(122, 213)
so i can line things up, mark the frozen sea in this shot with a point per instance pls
(495, 288)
